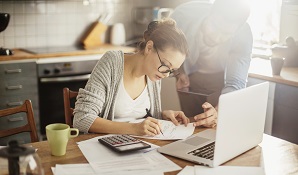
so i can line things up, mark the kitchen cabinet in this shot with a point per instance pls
(18, 83)
(282, 110)
(285, 119)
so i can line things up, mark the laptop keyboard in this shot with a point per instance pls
(206, 151)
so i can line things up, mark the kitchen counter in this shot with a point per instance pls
(20, 54)
(261, 69)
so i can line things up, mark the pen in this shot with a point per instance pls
(148, 114)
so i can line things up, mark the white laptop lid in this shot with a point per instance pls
(241, 120)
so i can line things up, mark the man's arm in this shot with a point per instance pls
(239, 60)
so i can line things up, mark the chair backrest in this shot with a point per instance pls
(68, 110)
(29, 127)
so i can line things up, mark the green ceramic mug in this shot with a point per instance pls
(58, 135)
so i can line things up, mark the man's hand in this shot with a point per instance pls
(208, 118)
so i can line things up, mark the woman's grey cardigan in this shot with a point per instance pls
(99, 96)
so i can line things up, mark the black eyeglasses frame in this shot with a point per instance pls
(172, 72)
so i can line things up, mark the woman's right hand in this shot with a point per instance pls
(150, 127)
(182, 83)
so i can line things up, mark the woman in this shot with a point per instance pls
(123, 86)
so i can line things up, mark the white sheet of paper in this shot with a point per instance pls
(188, 170)
(230, 170)
(141, 163)
(95, 151)
(170, 131)
(86, 169)
(53, 170)
(74, 169)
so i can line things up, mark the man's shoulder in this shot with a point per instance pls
(194, 6)
(190, 13)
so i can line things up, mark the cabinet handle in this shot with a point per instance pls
(17, 103)
(13, 71)
(14, 87)
(15, 119)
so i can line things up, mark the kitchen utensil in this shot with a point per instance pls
(20, 160)
(58, 135)
(118, 34)
(94, 37)
(164, 13)
(4, 20)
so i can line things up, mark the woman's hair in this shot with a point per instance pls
(164, 34)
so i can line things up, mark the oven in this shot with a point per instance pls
(53, 75)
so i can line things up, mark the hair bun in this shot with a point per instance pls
(152, 26)
(168, 22)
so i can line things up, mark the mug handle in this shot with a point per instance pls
(74, 135)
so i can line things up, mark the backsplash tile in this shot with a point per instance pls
(39, 23)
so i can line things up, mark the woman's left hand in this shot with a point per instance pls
(177, 117)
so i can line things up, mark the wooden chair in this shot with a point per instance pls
(68, 110)
(29, 127)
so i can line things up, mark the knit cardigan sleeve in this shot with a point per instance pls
(96, 98)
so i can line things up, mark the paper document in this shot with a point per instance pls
(74, 169)
(103, 159)
(86, 169)
(170, 131)
(141, 163)
(95, 151)
(188, 170)
(230, 170)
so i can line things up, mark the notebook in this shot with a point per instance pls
(240, 127)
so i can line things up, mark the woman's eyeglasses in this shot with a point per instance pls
(163, 68)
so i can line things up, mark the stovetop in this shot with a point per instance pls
(58, 49)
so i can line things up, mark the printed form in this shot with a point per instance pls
(170, 131)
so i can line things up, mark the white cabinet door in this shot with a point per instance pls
(289, 22)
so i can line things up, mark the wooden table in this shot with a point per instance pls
(283, 155)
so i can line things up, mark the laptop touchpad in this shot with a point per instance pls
(195, 141)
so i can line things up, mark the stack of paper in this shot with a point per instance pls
(222, 170)
(102, 160)
(86, 169)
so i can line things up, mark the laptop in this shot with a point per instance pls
(192, 101)
(240, 127)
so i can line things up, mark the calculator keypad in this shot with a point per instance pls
(120, 140)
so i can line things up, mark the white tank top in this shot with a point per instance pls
(127, 109)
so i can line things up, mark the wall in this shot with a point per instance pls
(38, 23)
(60, 22)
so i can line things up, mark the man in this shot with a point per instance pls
(220, 45)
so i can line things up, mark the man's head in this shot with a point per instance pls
(225, 18)
(233, 11)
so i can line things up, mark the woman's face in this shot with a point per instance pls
(163, 61)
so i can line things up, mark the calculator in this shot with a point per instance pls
(123, 143)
